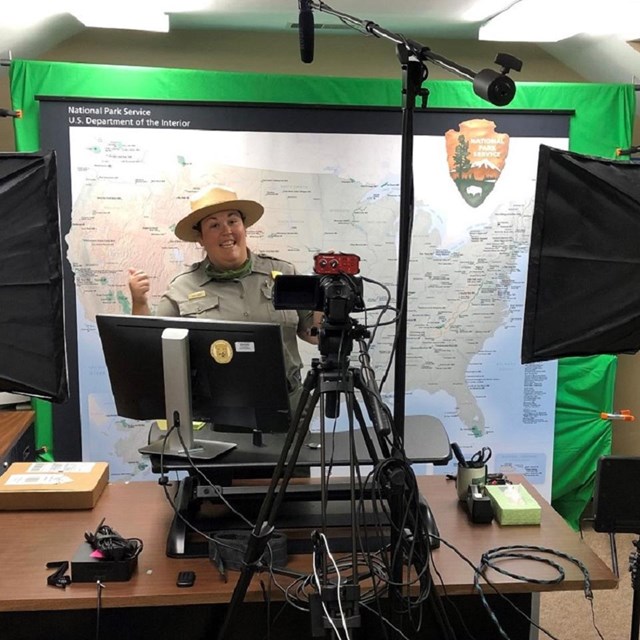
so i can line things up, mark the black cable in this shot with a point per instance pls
(296, 593)
(386, 622)
(112, 545)
(216, 489)
(412, 534)
(172, 503)
(379, 323)
(494, 555)
(383, 309)
(523, 551)
(272, 580)
(451, 603)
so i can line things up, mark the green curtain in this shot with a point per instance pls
(585, 389)
(602, 122)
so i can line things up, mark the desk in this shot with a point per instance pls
(28, 540)
(17, 444)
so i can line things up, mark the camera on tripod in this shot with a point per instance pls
(336, 291)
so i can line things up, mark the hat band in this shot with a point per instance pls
(198, 225)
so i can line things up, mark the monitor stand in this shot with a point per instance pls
(199, 450)
(198, 508)
(179, 441)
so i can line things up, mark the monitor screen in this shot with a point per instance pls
(236, 371)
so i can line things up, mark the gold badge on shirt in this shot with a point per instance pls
(221, 351)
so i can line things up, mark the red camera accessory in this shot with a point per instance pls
(336, 263)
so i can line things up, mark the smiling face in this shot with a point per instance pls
(224, 238)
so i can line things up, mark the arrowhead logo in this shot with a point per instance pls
(476, 155)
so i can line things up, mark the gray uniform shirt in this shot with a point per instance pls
(194, 294)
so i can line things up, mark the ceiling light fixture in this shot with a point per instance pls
(553, 20)
(139, 21)
(485, 9)
(531, 21)
(145, 15)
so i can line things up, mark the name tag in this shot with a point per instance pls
(196, 294)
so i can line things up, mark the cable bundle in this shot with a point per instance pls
(112, 545)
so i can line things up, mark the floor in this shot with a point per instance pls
(568, 615)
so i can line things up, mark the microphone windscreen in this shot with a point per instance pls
(306, 32)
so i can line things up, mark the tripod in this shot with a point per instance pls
(328, 377)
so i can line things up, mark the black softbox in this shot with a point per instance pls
(583, 283)
(32, 341)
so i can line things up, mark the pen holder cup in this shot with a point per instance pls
(469, 476)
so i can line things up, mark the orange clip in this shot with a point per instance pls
(624, 414)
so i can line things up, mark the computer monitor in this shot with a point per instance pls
(184, 369)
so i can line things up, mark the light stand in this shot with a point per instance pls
(634, 568)
(495, 87)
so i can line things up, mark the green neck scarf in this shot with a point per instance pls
(229, 274)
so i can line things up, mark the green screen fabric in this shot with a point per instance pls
(602, 122)
(585, 389)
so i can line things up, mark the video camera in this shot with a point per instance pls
(335, 290)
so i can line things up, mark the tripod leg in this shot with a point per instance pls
(263, 528)
(614, 554)
(336, 606)
(370, 404)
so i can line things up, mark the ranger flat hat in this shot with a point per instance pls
(212, 200)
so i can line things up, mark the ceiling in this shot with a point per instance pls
(597, 59)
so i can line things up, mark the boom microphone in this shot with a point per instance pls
(305, 31)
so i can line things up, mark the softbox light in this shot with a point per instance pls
(583, 282)
(32, 341)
